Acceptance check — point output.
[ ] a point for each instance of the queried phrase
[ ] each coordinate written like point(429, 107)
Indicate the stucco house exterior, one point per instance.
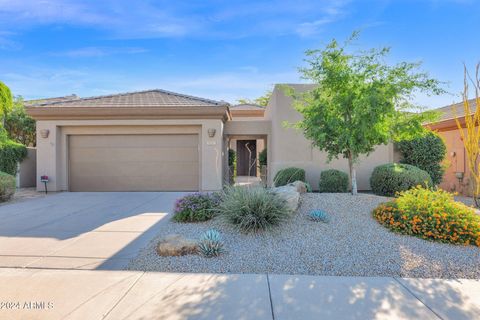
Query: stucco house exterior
point(158, 140)
point(457, 173)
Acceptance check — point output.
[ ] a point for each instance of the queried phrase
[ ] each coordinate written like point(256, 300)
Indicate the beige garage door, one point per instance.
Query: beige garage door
point(133, 162)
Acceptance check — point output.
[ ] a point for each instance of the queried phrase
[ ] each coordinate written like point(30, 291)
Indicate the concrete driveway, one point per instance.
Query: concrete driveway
point(81, 230)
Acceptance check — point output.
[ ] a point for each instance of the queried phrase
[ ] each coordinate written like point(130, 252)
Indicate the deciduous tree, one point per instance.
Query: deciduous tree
point(359, 101)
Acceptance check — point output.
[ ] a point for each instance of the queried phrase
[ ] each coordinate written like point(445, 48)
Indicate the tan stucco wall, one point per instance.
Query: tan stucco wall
point(26, 176)
point(288, 147)
point(52, 152)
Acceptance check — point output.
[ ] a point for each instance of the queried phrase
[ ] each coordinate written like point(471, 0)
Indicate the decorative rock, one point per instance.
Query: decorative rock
point(300, 186)
point(176, 245)
point(290, 194)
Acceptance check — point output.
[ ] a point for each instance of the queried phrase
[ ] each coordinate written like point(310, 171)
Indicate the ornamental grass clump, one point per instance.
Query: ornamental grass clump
point(432, 215)
point(196, 207)
point(252, 209)
point(210, 244)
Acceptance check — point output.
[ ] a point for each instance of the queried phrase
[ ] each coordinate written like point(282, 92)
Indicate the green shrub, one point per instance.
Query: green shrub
point(10, 154)
point(195, 207)
point(252, 209)
point(426, 153)
point(430, 214)
point(333, 181)
point(7, 186)
point(289, 175)
point(388, 179)
point(262, 157)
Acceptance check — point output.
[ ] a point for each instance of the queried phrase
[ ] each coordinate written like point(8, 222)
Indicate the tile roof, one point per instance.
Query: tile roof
point(50, 100)
point(246, 106)
point(454, 110)
point(149, 98)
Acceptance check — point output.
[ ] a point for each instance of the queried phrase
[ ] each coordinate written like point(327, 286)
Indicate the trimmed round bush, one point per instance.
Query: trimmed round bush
point(289, 175)
point(426, 153)
point(195, 207)
point(333, 181)
point(432, 215)
point(7, 186)
point(388, 179)
point(253, 209)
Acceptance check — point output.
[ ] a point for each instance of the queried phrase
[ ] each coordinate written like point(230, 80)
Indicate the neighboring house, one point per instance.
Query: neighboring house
point(163, 141)
point(457, 174)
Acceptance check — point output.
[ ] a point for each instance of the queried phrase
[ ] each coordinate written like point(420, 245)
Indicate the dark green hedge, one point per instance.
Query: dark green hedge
point(7, 186)
point(10, 154)
point(289, 175)
point(426, 153)
point(333, 181)
point(388, 179)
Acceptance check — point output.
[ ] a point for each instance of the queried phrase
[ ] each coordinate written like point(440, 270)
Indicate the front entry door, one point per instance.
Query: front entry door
point(247, 158)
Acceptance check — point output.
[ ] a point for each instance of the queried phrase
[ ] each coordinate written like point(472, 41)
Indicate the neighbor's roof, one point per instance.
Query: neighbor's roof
point(454, 110)
point(246, 106)
point(149, 98)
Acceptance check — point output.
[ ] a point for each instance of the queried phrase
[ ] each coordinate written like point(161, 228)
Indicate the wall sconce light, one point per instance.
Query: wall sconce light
point(44, 133)
point(459, 176)
point(453, 154)
point(211, 132)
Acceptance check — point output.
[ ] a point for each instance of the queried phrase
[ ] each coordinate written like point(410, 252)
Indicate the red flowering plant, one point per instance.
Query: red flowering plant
point(432, 215)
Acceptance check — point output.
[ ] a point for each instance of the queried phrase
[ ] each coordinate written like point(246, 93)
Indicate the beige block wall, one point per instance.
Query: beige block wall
point(290, 148)
point(52, 152)
point(27, 173)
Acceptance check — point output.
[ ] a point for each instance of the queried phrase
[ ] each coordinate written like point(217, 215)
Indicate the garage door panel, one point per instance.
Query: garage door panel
point(134, 141)
point(134, 162)
point(139, 183)
point(134, 154)
point(130, 169)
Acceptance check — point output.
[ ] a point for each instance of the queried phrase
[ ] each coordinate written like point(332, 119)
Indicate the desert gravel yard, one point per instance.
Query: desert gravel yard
point(352, 243)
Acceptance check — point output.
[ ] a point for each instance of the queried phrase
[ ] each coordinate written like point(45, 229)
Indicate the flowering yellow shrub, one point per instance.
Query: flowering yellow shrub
point(431, 215)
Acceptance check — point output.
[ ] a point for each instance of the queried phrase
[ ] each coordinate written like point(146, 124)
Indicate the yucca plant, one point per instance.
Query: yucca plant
point(210, 244)
point(252, 209)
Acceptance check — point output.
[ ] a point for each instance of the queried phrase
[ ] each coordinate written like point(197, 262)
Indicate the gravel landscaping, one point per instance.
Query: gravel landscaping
point(352, 243)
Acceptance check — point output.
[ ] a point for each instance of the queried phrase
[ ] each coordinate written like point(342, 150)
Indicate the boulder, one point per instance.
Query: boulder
point(176, 245)
point(300, 186)
point(290, 194)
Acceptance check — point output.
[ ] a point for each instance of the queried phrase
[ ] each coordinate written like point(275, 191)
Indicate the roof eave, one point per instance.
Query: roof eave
point(121, 113)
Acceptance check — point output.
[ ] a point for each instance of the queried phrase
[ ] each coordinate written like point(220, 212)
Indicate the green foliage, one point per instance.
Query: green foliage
point(432, 215)
point(252, 209)
point(7, 186)
point(333, 181)
point(288, 175)
point(388, 179)
point(195, 207)
point(10, 153)
point(262, 157)
point(19, 125)
point(5, 100)
point(210, 244)
point(427, 153)
point(232, 164)
point(261, 101)
point(359, 101)
point(318, 216)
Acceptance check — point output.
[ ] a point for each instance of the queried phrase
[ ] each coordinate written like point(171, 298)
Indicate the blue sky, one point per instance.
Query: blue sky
point(216, 49)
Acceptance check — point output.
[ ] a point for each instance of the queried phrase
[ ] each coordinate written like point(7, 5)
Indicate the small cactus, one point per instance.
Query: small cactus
point(318, 215)
point(210, 244)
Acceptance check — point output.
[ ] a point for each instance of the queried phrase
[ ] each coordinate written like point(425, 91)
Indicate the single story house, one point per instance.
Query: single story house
point(158, 140)
point(457, 173)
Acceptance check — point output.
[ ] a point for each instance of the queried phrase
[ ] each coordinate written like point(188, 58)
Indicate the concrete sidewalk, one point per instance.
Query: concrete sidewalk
point(86, 294)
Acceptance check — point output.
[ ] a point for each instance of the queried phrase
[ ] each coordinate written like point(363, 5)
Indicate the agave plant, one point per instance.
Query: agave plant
point(318, 215)
point(210, 244)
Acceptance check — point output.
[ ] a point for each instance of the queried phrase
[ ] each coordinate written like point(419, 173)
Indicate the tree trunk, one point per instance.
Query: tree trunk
point(353, 175)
